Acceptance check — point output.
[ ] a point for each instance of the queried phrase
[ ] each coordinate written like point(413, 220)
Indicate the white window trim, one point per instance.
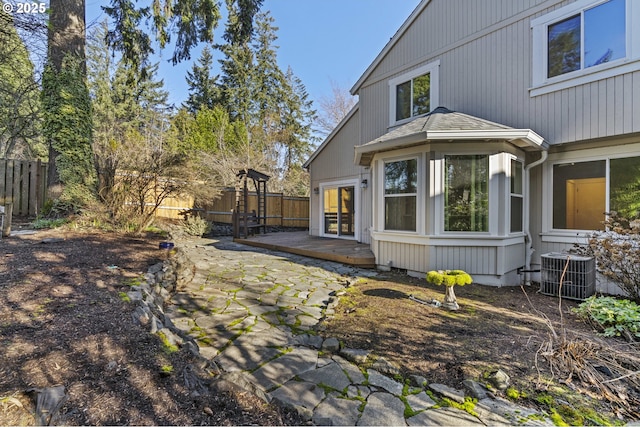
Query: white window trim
point(631, 62)
point(492, 186)
point(511, 194)
point(379, 218)
point(433, 68)
point(336, 184)
point(555, 235)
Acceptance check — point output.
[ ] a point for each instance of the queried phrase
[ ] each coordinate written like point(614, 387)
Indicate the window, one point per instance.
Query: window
point(516, 196)
point(579, 195)
point(624, 187)
point(585, 41)
point(466, 193)
point(414, 94)
point(412, 97)
point(580, 192)
point(593, 37)
point(400, 193)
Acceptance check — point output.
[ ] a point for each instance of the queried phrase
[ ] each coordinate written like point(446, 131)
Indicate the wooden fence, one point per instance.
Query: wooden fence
point(23, 183)
point(285, 211)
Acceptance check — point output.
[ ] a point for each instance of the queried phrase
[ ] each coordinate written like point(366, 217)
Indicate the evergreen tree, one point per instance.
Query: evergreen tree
point(273, 105)
point(126, 115)
point(203, 89)
point(297, 116)
point(191, 21)
point(236, 68)
point(20, 120)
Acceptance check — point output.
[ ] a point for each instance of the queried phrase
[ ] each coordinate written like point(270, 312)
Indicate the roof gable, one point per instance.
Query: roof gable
point(397, 36)
point(331, 136)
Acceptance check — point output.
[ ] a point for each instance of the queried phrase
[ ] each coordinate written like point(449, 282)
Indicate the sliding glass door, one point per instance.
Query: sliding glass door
point(338, 211)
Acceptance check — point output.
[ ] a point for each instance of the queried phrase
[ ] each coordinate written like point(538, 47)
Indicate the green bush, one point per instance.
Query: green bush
point(196, 226)
point(614, 317)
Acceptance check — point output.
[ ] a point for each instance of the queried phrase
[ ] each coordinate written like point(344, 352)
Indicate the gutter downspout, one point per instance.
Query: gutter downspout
point(527, 204)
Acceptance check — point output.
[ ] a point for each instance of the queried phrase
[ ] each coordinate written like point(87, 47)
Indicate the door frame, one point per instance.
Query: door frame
point(356, 204)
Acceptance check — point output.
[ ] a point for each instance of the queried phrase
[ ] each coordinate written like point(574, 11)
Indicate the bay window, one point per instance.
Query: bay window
point(400, 194)
point(517, 198)
point(466, 193)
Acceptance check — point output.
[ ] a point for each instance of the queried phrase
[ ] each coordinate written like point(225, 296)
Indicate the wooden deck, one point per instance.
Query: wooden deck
point(301, 243)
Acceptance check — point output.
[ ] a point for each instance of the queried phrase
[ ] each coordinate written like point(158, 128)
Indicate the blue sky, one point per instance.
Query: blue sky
point(322, 40)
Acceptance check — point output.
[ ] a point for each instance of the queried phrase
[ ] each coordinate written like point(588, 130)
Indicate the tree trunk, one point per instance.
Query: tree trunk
point(66, 35)
point(66, 31)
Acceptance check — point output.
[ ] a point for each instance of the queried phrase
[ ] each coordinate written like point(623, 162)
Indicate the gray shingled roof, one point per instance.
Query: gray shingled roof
point(443, 123)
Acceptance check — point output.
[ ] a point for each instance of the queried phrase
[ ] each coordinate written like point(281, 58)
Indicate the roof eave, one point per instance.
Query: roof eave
point(522, 138)
point(391, 144)
point(333, 133)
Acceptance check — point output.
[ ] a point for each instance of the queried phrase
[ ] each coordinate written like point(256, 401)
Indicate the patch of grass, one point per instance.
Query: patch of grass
point(124, 297)
point(134, 281)
point(468, 406)
point(515, 394)
point(557, 419)
point(44, 223)
point(166, 345)
point(156, 230)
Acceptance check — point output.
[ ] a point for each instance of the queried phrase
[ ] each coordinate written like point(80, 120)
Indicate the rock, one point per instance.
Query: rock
point(446, 391)
point(376, 379)
point(382, 409)
point(419, 381)
point(420, 401)
point(355, 355)
point(155, 268)
point(475, 389)
point(383, 365)
point(141, 316)
point(331, 345)
point(499, 379)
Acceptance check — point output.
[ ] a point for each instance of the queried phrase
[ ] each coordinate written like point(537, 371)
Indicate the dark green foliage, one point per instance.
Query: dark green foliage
point(20, 120)
point(67, 127)
point(612, 316)
point(191, 21)
point(203, 88)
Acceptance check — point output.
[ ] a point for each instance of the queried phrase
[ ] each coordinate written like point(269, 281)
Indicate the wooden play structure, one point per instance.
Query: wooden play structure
point(247, 219)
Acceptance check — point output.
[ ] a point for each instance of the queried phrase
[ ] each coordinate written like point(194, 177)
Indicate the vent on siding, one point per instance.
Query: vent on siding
point(579, 280)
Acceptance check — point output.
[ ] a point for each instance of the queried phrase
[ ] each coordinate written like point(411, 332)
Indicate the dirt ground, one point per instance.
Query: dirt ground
point(63, 322)
point(509, 328)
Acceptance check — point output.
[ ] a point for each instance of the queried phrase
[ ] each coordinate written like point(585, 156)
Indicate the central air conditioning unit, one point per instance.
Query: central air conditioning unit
point(579, 281)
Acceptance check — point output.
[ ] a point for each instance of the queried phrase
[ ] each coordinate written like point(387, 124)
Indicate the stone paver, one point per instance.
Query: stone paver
point(255, 313)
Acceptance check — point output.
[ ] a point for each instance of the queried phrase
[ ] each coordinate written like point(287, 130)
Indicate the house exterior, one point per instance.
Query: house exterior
point(486, 134)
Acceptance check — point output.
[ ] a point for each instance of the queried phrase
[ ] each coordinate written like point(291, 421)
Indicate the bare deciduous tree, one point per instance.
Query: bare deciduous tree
point(333, 108)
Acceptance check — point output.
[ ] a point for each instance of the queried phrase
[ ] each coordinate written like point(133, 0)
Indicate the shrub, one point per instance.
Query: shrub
point(614, 317)
point(617, 253)
point(196, 226)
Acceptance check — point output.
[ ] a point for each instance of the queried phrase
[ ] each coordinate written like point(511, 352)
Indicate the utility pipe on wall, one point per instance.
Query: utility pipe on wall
point(527, 205)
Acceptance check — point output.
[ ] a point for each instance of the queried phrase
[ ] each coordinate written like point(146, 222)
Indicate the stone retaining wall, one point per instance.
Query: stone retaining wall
point(160, 282)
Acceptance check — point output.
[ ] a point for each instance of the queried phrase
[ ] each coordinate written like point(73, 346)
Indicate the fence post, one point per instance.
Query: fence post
point(8, 213)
